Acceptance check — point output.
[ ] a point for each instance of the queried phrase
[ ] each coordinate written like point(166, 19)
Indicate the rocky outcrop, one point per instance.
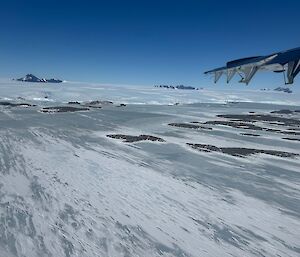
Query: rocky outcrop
point(54, 109)
point(132, 139)
point(187, 125)
point(240, 151)
point(9, 104)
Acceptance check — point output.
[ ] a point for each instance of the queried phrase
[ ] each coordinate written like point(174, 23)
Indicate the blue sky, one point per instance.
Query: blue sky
point(142, 42)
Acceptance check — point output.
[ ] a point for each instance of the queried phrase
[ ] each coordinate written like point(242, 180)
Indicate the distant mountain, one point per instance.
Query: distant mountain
point(283, 89)
point(32, 78)
point(177, 87)
point(54, 80)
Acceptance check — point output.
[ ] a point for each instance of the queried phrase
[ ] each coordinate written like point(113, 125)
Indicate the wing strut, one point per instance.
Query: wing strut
point(297, 69)
point(230, 74)
point(292, 71)
point(218, 75)
point(249, 73)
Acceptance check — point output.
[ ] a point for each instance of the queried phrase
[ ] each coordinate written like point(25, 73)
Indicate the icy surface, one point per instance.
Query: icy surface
point(139, 94)
point(66, 189)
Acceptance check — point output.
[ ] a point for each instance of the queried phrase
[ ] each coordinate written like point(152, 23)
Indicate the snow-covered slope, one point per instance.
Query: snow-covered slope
point(66, 189)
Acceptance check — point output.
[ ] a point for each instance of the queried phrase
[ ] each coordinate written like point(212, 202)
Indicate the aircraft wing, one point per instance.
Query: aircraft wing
point(246, 68)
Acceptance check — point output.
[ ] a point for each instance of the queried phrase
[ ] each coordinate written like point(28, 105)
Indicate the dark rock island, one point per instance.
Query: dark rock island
point(32, 78)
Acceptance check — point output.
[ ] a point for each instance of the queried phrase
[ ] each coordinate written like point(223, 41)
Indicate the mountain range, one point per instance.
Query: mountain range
point(32, 78)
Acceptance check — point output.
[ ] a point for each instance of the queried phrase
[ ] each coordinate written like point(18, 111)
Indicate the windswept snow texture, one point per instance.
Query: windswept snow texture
point(66, 189)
